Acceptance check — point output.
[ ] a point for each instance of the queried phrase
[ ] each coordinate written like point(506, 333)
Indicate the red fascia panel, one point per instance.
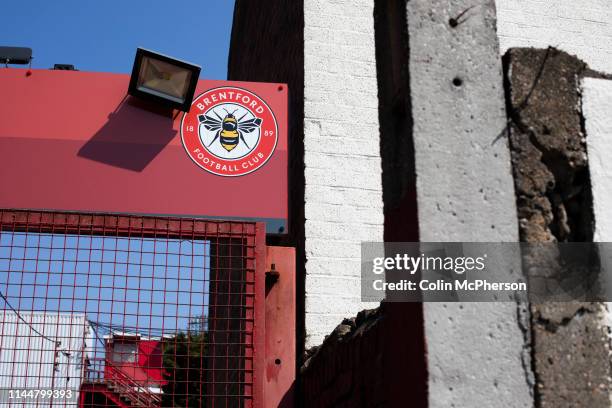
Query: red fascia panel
point(74, 141)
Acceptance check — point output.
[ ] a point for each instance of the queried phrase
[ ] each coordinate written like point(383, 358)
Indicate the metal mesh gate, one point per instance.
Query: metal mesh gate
point(127, 311)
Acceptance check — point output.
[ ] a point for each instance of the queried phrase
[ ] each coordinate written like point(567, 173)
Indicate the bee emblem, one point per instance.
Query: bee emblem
point(229, 129)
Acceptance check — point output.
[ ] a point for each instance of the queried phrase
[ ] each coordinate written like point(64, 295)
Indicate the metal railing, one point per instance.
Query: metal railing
point(103, 371)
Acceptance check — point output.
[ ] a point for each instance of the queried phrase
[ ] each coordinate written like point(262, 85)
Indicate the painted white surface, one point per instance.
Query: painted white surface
point(343, 191)
point(597, 111)
point(582, 28)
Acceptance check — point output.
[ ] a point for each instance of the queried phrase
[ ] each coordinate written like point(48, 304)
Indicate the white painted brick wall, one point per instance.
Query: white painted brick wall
point(582, 28)
point(597, 111)
point(343, 191)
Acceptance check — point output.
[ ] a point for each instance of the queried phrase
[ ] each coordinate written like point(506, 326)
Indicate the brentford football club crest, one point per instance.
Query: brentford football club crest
point(229, 131)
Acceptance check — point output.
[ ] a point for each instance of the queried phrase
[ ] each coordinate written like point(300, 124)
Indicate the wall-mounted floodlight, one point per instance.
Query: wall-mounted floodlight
point(163, 80)
point(15, 55)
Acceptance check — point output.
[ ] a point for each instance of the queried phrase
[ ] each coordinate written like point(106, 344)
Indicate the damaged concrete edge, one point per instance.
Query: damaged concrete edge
point(554, 203)
point(523, 317)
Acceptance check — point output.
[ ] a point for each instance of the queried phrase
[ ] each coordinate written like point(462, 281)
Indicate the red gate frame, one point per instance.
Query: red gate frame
point(169, 227)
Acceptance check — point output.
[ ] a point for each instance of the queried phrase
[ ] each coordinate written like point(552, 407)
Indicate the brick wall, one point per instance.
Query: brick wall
point(580, 28)
point(324, 49)
point(342, 168)
point(257, 54)
point(367, 361)
point(596, 106)
point(347, 371)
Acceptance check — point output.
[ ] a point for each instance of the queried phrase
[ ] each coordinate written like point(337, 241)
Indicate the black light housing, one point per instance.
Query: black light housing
point(163, 80)
point(15, 55)
point(64, 67)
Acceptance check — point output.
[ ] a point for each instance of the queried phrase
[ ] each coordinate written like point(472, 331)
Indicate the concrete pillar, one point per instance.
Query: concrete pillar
point(343, 192)
point(478, 353)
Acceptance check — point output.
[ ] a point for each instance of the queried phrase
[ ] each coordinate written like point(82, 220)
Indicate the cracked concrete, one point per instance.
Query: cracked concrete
point(571, 349)
point(569, 340)
point(548, 145)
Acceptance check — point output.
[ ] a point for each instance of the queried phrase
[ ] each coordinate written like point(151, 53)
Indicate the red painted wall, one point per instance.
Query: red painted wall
point(147, 370)
point(150, 356)
point(73, 141)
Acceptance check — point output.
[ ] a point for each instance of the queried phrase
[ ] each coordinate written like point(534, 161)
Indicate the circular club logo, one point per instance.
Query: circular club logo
point(229, 131)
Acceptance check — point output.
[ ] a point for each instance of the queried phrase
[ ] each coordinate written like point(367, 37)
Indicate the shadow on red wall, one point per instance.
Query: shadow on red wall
point(135, 133)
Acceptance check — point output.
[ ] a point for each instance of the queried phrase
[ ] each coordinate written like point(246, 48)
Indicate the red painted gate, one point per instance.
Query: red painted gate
point(131, 311)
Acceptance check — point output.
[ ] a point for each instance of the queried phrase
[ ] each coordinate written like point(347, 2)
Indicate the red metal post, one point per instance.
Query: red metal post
point(280, 328)
point(259, 322)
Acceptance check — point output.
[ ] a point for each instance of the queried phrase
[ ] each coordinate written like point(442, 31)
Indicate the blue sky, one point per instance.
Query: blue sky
point(103, 35)
point(135, 284)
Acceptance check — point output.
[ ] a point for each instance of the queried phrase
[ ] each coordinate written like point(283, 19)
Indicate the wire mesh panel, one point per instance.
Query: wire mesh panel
point(126, 311)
